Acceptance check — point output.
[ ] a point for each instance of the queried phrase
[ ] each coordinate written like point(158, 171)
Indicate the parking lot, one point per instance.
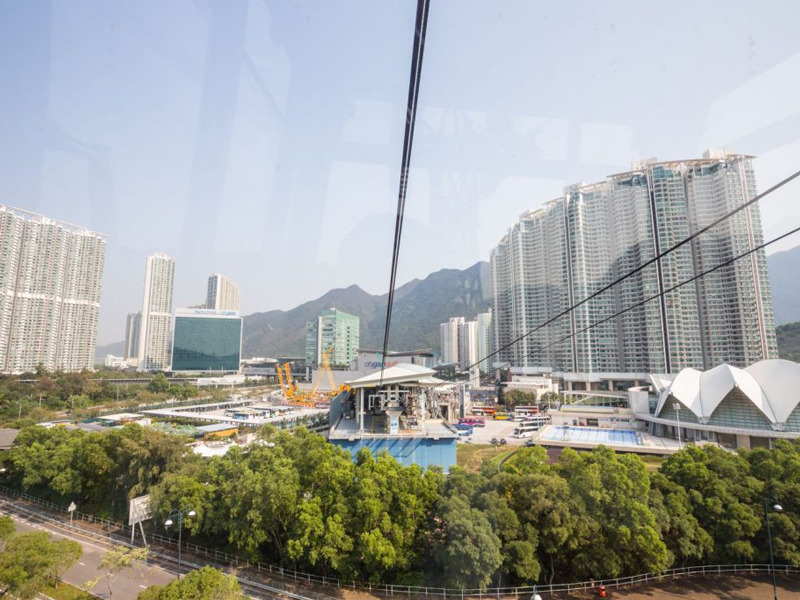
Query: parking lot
point(495, 429)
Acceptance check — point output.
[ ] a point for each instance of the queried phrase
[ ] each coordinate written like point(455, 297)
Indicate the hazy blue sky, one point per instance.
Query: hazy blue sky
point(262, 139)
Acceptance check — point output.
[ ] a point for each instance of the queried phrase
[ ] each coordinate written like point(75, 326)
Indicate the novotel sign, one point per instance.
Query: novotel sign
point(205, 312)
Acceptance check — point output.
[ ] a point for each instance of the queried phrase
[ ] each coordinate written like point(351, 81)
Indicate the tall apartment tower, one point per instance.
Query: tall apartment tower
point(132, 325)
point(566, 253)
point(222, 294)
point(336, 331)
point(50, 281)
point(156, 318)
point(485, 347)
point(450, 335)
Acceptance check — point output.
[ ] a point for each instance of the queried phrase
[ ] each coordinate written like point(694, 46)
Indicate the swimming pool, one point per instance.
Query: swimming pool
point(592, 435)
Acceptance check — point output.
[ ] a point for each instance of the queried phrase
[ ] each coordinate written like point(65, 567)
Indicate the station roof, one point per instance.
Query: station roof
point(216, 427)
point(404, 373)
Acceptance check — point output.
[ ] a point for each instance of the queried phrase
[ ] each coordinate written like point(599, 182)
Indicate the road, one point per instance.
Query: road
point(129, 582)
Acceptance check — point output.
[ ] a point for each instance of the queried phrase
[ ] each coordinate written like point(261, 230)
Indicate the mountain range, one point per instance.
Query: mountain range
point(421, 305)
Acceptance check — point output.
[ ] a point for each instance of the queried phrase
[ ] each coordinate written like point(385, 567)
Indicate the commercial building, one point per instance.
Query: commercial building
point(567, 252)
point(132, 325)
point(50, 281)
point(156, 317)
point(206, 340)
point(400, 411)
point(334, 331)
point(734, 407)
point(222, 294)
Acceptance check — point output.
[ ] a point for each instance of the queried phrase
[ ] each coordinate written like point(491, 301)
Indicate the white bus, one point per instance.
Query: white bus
point(530, 426)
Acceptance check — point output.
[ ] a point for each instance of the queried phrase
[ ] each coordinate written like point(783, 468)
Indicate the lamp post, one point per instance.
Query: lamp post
point(677, 408)
point(180, 515)
point(777, 508)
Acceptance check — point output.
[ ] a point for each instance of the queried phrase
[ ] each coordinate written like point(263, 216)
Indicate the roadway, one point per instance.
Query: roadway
point(125, 587)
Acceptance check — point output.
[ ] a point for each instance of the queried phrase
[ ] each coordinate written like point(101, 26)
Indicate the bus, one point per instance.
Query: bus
point(473, 421)
point(529, 427)
point(483, 410)
point(525, 411)
point(500, 416)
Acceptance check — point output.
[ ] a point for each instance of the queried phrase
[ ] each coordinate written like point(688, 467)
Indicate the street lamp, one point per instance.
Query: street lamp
point(777, 508)
point(180, 514)
point(677, 407)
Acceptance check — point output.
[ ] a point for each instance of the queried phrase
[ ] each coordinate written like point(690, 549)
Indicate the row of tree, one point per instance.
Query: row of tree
point(39, 396)
point(295, 500)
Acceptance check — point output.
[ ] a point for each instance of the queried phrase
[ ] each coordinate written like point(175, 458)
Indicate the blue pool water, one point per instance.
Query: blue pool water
point(591, 435)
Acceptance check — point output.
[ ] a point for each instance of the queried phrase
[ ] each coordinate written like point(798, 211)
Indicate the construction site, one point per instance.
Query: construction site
point(315, 395)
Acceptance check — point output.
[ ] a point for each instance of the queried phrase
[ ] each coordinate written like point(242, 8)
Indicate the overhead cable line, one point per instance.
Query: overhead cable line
point(411, 117)
point(641, 267)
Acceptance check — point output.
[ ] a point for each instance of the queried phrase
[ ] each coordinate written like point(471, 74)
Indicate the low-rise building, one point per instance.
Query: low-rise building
point(734, 407)
point(400, 411)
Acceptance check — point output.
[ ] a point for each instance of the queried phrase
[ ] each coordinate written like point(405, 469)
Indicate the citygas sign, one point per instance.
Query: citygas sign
point(376, 364)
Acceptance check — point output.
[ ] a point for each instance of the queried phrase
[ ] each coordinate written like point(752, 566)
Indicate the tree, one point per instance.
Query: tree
point(466, 550)
point(201, 584)
point(158, 384)
point(32, 561)
point(115, 560)
point(7, 527)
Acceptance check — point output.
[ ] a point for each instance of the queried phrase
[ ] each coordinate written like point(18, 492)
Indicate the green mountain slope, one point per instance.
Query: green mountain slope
point(419, 308)
point(784, 279)
point(789, 341)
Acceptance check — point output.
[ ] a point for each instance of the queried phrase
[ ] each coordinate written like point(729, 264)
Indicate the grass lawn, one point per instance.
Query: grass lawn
point(65, 591)
point(652, 462)
point(472, 456)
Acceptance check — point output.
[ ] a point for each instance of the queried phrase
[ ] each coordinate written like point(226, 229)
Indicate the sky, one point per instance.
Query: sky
point(262, 139)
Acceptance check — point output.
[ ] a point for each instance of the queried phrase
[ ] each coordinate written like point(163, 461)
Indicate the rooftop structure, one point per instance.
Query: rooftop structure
point(400, 410)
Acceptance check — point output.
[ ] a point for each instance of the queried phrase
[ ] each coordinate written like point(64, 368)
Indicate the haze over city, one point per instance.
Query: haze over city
point(262, 140)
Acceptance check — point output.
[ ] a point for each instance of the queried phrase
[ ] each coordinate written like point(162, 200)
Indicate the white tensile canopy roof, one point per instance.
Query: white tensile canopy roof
point(773, 386)
point(405, 373)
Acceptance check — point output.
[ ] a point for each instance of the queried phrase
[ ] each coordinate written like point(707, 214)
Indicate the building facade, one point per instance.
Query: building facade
point(206, 340)
point(222, 294)
point(50, 282)
point(334, 331)
point(485, 345)
point(156, 317)
point(132, 325)
point(568, 252)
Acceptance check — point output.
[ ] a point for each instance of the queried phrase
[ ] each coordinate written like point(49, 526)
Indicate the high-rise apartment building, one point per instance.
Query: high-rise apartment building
point(156, 319)
point(50, 281)
point(132, 325)
point(333, 330)
point(575, 246)
point(461, 341)
point(485, 347)
point(450, 334)
point(222, 294)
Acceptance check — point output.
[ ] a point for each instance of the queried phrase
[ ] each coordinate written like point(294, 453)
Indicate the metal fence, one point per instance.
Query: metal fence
point(115, 531)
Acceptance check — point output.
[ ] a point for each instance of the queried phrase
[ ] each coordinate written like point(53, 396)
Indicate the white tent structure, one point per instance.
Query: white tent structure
point(772, 386)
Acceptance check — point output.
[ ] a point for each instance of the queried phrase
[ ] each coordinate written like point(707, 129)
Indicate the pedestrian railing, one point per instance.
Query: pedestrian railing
point(115, 531)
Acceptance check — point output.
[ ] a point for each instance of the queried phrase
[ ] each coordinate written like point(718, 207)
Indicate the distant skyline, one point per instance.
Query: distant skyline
point(262, 139)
